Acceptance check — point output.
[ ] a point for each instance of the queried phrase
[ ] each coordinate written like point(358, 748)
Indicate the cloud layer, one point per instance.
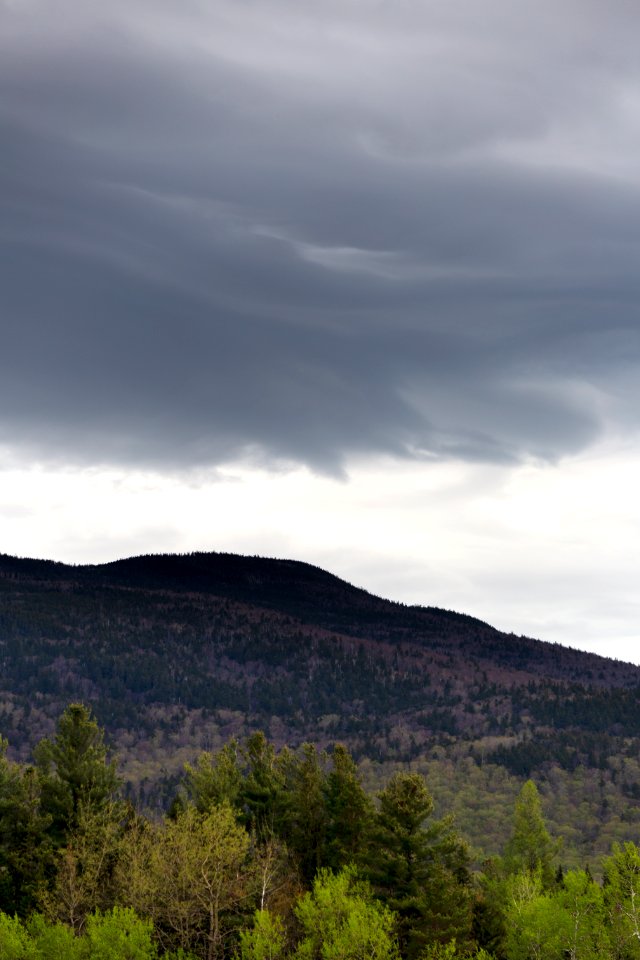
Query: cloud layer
point(311, 231)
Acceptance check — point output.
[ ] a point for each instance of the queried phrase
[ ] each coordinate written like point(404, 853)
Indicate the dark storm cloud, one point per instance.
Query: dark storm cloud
point(312, 230)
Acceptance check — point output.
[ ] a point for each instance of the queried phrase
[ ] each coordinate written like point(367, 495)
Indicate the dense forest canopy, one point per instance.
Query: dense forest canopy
point(305, 772)
point(281, 854)
point(179, 654)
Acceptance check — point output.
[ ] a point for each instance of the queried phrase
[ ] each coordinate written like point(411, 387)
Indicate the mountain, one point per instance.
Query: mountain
point(178, 653)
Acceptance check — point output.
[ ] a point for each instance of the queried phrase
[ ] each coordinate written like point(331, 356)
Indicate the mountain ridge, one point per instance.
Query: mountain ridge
point(267, 582)
point(180, 653)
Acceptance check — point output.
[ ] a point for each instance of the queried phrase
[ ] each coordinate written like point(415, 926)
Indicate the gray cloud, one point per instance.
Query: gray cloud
point(308, 231)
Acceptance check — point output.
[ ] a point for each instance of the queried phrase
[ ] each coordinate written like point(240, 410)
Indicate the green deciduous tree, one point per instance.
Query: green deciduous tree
point(15, 942)
point(265, 940)
point(568, 922)
point(85, 868)
point(536, 927)
point(587, 933)
point(54, 941)
point(340, 920)
point(622, 899)
point(192, 876)
point(120, 934)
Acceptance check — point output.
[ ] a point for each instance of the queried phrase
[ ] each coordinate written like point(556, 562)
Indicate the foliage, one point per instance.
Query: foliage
point(120, 935)
point(185, 653)
point(74, 771)
point(421, 870)
point(25, 850)
point(340, 920)
point(530, 846)
point(84, 878)
point(265, 940)
point(622, 898)
point(192, 876)
point(294, 834)
point(214, 780)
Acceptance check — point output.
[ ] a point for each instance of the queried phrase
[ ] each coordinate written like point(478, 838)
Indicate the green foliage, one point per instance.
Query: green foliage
point(340, 920)
point(116, 935)
point(74, 771)
point(349, 811)
point(310, 801)
point(120, 934)
point(262, 794)
point(265, 940)
point(15, 942)
point(84, 878)
point(192, 876)
point(182, 652)
point(54, 941)
point(305, 828)
point(622, 898)
point(569, 921)
point(582, 900)
point(25, 850)
point(420, 870)
point(450, 951)
point(536, 928)
point(530, 846)
point(214, 779)
point(195, 879)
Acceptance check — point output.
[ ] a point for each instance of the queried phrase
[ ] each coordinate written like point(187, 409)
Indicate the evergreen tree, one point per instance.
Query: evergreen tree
point(530, 846)
point(26, 854)
point(74, 771)
point(262, 797)
point(305, 827)
point(489, 920)
point(349, 811)
point(420, 870)
point(214, 779)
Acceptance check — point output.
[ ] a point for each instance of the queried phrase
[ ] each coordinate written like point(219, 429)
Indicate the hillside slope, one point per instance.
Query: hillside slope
point(177, 653)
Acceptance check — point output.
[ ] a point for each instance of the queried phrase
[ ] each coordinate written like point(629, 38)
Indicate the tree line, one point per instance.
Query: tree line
point(269, 854)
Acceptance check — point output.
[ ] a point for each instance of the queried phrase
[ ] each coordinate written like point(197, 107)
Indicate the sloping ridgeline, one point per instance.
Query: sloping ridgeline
point(178, 653)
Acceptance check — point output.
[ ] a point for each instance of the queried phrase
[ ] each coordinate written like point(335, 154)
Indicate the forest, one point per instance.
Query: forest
point(269, 853)
point(183, 653)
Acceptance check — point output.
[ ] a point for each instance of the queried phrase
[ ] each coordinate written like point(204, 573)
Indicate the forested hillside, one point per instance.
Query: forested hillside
point(281, 854)
point(181, 653)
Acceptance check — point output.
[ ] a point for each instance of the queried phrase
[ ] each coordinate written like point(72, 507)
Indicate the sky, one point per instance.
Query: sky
point(352, 282)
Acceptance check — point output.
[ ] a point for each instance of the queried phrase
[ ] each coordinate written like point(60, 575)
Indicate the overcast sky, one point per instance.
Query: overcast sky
point(352, 281)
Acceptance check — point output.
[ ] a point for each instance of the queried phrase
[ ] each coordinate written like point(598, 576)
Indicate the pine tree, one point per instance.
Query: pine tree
point(74, 771)
point(214, 779)
point(420, 870)
point(349, 811)
point(305, 830)
point(530, 846)
point(262, 793)
point(26, 853)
